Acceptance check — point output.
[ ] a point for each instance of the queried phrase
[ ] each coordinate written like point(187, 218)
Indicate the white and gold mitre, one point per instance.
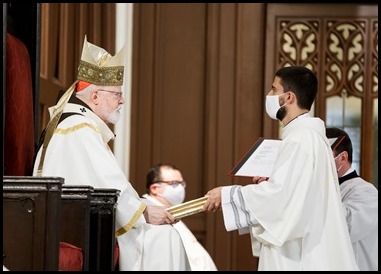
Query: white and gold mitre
point(98, 67)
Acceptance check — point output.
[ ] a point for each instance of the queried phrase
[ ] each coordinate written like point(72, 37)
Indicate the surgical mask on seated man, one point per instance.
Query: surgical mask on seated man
point(173, 193)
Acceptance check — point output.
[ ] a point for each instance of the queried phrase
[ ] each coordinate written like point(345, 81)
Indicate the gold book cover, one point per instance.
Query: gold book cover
point(187, 208)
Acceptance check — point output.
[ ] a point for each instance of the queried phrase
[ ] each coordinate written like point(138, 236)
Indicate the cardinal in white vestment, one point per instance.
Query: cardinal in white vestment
point(75, 147)
point(294, 217)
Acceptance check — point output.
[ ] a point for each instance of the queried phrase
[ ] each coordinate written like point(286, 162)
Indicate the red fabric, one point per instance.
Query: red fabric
point(19, 122)
point(116, 255)
point(71, 257)
point(81, 85)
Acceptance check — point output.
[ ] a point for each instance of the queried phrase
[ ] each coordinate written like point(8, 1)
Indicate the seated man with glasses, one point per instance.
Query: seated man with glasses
point(166, 187)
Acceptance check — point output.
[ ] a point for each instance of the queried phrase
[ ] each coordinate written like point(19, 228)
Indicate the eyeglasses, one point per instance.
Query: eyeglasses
point(118, 94)
point(173, 183)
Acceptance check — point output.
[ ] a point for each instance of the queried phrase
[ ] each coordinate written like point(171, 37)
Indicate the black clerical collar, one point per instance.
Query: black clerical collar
point(296, 117)
point(347, 177)
point(74, 100)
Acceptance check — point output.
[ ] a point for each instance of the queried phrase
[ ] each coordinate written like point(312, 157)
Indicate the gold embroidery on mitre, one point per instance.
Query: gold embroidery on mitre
point(106, 76)
point(99, 67)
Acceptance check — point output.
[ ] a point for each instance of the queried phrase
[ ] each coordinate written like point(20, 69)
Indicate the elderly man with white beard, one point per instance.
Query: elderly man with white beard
point(75, 147)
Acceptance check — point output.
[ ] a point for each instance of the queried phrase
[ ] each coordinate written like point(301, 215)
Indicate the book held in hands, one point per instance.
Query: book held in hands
point(260, 159)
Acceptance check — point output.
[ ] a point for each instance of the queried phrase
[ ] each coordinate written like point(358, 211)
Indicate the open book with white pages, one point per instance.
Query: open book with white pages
point(260, 159)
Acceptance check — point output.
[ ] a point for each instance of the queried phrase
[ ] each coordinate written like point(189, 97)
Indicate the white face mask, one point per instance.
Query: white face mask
point(173, 194)
point(338, 169)
point(272, 105)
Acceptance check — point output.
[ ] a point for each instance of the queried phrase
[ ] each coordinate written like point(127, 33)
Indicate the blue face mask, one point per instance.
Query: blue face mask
point(174, 194)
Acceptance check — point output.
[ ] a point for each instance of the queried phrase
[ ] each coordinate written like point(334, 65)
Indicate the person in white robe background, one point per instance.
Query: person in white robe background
point(294, 217)
point(75, 148)
point(166, 187)
point(360, 199)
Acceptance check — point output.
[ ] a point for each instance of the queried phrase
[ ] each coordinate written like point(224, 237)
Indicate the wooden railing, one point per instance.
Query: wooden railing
point(31, 222)
point(39, 213)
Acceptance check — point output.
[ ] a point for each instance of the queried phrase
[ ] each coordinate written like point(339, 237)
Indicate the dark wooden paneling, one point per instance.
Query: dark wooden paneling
point(178, 58)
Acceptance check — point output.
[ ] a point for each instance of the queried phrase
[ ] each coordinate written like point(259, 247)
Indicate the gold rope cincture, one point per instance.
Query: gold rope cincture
point(52, 125)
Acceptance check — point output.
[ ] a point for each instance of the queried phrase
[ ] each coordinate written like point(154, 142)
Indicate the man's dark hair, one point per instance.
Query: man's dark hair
point(300, 80)
point(344, 145)
point(154, 174)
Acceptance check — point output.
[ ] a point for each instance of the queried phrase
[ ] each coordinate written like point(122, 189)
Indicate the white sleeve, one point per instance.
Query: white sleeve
point(234, 209)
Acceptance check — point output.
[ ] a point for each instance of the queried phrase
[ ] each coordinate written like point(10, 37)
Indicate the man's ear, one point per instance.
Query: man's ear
point(153, 189)
point(345, 155)
point(94, 97)
point(291, 98)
